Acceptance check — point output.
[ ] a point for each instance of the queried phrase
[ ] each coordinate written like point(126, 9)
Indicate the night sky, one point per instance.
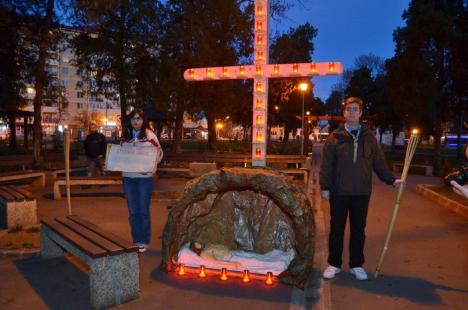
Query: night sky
point(346, 30)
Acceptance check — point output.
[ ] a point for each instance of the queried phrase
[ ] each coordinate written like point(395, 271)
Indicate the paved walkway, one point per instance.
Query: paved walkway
point(31, 283)
point(426, 265)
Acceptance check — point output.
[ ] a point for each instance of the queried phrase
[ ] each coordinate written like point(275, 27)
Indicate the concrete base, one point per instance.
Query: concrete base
point(19, 213)
point(199, 169)
point(112, 279)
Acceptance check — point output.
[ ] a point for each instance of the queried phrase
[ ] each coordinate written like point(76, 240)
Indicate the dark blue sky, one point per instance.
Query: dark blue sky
point(346, 30)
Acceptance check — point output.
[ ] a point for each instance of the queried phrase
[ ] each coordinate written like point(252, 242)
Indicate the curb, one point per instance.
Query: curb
point(452, 206)
point(20, 253)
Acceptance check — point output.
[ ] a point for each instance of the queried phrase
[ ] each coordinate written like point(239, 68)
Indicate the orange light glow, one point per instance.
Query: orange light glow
point(259, 87)
point(246, 277)
point(259, 120)
point(225, 71)
point(258, 152)
point(276, 69)
point(260, 55)
point(181, 271)
point(331, 67)
point(259, 136)
point(209, 73)
point(295, 68)
point(259, 25)
point(241, 70)
point(259, 10)
point(258, 70)
point(269, 279)
point(313, 68)
point(223, 276)
point(260, 40)
point(191, 73)
point(202, 273)
point(259, 103)
point(415, 131)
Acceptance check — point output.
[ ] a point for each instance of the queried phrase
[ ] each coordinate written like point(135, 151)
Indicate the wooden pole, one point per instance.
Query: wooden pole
point(410, 150)
point(67, 168)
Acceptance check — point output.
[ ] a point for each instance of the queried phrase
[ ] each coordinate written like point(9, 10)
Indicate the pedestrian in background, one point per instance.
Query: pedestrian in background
point(95, 150)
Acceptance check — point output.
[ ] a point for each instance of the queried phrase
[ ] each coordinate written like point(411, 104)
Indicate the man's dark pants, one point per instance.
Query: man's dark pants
point(340, 206)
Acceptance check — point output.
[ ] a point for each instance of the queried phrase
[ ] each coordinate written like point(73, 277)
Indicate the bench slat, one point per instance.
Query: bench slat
point(128, 246)
point(104, 243)
point(6, 195)
point(81, 243)
point(22, 192)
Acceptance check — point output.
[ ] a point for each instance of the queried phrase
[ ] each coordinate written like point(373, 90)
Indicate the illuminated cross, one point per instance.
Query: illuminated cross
point(260, 72)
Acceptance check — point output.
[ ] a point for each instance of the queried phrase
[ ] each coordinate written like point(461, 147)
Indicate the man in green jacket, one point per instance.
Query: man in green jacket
point(349, 156)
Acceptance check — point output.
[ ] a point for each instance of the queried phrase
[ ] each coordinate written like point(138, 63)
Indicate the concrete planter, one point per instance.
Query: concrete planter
point(453, 206)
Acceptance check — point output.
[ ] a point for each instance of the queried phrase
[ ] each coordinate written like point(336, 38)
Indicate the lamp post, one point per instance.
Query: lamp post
point(303, 88)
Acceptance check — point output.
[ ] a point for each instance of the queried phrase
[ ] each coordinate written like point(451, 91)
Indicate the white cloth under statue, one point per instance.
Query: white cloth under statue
point(275, 261)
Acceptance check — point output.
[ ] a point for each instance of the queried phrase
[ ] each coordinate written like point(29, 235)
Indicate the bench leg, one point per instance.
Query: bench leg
point(57, 194)
point(114, 280)
point(49, 249)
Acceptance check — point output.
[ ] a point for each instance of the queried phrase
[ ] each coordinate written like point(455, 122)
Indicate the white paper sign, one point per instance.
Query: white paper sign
point(130, 158)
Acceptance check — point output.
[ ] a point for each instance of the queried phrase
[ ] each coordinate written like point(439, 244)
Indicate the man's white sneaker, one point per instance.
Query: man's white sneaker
point(330, 272)
point(359, 273)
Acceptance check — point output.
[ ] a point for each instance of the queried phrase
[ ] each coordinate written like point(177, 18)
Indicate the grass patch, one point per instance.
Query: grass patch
point(15, 229)
point(32, 230)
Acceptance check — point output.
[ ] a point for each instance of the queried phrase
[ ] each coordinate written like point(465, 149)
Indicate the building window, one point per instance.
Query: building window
point(79, 105)
point(79, 84)
point(65, 70)
point(64, 83)
point(79, 94)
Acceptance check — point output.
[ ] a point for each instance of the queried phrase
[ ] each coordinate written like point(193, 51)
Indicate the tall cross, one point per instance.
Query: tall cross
point(260, 72)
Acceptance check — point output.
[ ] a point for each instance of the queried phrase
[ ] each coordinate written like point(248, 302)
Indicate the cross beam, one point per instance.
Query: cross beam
point(260, 72)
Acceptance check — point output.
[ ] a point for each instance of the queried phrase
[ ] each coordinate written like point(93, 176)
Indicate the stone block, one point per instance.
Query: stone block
point(19, 213)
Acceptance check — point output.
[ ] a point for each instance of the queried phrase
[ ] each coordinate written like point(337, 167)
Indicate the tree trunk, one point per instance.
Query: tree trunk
point(176, 146)
point(12, 125)
point(284, 147)
point(40, 78)
point(26, 132)
point(211, 132)
point(437, 135)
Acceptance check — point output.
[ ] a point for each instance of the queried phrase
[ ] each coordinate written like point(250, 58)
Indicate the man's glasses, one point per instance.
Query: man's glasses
point(352, 109)
point(137, 118)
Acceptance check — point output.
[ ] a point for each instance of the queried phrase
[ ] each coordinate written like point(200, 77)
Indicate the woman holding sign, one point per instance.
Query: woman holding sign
point(139, 186)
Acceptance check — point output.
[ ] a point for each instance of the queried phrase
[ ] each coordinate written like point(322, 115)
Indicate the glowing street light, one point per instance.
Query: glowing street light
point(303, 88)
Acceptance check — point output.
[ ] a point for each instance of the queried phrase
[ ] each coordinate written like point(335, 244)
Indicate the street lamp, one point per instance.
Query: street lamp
point(303, 88)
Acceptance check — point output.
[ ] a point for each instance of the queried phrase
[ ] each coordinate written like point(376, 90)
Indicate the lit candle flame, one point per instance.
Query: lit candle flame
point(276, 69)
point(181, 271)
point(246, 277)
point(415, 131)
point(202, 273)
point(223, 276)
point(269, 279)
point(258, 152)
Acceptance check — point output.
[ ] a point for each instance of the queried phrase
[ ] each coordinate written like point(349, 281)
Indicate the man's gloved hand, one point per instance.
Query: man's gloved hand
point(325, 194)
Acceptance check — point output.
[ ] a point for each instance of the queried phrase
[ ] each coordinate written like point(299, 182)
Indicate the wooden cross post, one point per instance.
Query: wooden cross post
point(260, 72)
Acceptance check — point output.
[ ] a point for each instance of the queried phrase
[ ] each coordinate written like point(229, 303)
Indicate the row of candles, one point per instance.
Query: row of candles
point(259, 70)
point(246, 276)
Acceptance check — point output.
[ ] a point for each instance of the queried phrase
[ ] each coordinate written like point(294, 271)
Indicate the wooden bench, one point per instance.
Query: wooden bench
point(17, 208)
point(39, 176)
point(84, 181)
point(111, 263)
point(301, 171)
point(398, 167)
